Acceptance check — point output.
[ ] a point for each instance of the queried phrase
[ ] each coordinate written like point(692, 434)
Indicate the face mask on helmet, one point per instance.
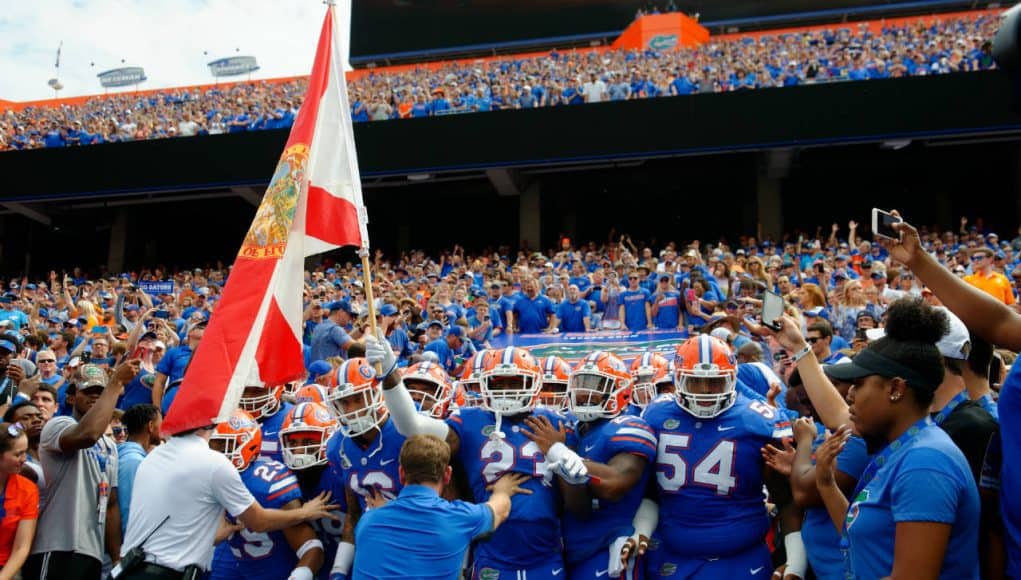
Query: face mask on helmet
point(430, 398)
point(471, 391)
point(706, 397)
point(261, 402)
point(643, 391)
point(241, 448)
point(509, 394)
point(358, 411)
point(593, 396)
point(304, 447)
point(553, 395)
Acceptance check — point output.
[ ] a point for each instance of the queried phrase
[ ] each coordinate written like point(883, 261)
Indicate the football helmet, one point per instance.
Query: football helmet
point(304, 433)
point(357, 400)
point(510, 382)
point(556, 373)
point(469, 389)
point(599, 388)
point(261, 401)
point(429, 386)
point(240, 438)
point(706, 376)
point(312, 394)
point(648, 372)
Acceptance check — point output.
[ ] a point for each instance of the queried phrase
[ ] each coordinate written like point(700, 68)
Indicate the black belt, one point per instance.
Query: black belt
point(150, 570)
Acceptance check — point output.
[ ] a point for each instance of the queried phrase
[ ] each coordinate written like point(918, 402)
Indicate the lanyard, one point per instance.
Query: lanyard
point(961, 397)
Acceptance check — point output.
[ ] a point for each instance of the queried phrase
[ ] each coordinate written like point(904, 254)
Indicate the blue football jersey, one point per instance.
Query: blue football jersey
point(327, 530)
point(709, 474)
point(583, 537)
point(531, 535)
point(271, 433)
point(250, 555)
point(374, 466)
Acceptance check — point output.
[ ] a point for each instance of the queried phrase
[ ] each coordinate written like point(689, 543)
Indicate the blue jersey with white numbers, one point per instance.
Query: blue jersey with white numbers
point(601, 442)
point(271, 433)
point(327, 530)
point(373, 466)
point(709, 474)
point(531, 535)
point(249, 555)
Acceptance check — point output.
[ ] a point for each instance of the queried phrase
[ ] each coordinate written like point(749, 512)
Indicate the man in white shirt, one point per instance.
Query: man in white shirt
point(181, 491)
point(594, 91)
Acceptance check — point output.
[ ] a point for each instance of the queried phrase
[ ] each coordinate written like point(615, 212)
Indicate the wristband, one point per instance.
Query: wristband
point(307, 546)
point(801, 354)
point(345, 557)
point(797, 558)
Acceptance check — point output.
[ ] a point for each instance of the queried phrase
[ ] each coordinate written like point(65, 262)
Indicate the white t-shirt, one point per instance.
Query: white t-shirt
point(187, 128)
point(193, 484)
point(594, 92)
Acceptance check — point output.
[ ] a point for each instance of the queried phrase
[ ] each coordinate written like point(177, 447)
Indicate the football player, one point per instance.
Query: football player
point(710, 471)
point(430, 388)
point(469, 392)
point(555, 375)
point(306, 429)
point(266, 406)
point(293, 553)
point(365, 452)
point(489, 441)
point(617, 450)
point(652, 375)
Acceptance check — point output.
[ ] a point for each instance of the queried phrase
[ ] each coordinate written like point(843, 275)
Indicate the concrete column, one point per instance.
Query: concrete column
point(118, 246)
point(774, 165)
point(529, 211)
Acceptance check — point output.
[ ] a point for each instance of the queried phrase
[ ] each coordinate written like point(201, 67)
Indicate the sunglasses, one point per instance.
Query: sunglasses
point(978, 258)
point(119, 431)
point(46, 360)
point(813, 339)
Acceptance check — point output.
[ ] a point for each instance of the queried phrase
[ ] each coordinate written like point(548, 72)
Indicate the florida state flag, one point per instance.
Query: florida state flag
point(313, 205)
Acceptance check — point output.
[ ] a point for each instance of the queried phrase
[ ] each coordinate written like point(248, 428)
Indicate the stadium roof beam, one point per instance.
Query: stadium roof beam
point(249, 194)
point(507, 182)
point(28, 212)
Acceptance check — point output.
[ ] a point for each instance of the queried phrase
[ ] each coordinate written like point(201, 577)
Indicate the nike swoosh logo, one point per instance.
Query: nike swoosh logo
point(722, 428)
point(601, 573)
point(589, 448)
point(557, 571)
point(755, 571)
point(387, 462)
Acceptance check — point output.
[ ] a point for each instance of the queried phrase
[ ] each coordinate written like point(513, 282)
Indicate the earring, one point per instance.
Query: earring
point(894, 397)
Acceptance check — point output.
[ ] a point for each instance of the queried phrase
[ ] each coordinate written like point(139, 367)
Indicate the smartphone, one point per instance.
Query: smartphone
point(162, 314)
point(859, 334)
point(772, 310)
point(882, 224)
point(689, 295)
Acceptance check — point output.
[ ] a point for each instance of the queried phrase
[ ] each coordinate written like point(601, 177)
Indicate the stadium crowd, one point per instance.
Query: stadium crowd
point(927, 46)
point(90, 364)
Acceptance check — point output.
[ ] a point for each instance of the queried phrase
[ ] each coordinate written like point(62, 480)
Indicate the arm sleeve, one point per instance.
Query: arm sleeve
point(407, 420)
point(926, 494)
point(229, 490)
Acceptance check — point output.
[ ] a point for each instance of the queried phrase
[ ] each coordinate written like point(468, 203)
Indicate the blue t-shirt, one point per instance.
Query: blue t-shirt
point(418, 531)
point(668, 315)
point(531, 535)
point(584, 537)
point(260, 555)
point(926, 480)
point(532, 314)
point(444, 355)
point(1010, 471)
point(822, 542)
point(634, 302)
point(129, 457)
point(139, 390)
point(329, 340)
point(572, 315)
point(709, 474)
point(174, 362)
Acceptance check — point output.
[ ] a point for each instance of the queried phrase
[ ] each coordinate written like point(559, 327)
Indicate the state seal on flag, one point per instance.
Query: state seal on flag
point(267, 237)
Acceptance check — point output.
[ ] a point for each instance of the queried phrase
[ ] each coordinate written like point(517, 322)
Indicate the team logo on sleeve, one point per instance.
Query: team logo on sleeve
point(852, 514)
point(345, 463)
point(671, 424)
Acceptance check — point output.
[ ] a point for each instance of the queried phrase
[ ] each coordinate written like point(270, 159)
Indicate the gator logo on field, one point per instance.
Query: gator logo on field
point(663, 41)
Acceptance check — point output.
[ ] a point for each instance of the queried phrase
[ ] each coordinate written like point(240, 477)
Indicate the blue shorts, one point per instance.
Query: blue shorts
point(552, 570)
point(752, 563)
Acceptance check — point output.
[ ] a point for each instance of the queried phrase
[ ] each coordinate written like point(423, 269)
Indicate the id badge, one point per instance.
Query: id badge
point(104, 498)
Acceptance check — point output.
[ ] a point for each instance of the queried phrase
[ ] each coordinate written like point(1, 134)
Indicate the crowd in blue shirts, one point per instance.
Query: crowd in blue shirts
point(928, 46)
